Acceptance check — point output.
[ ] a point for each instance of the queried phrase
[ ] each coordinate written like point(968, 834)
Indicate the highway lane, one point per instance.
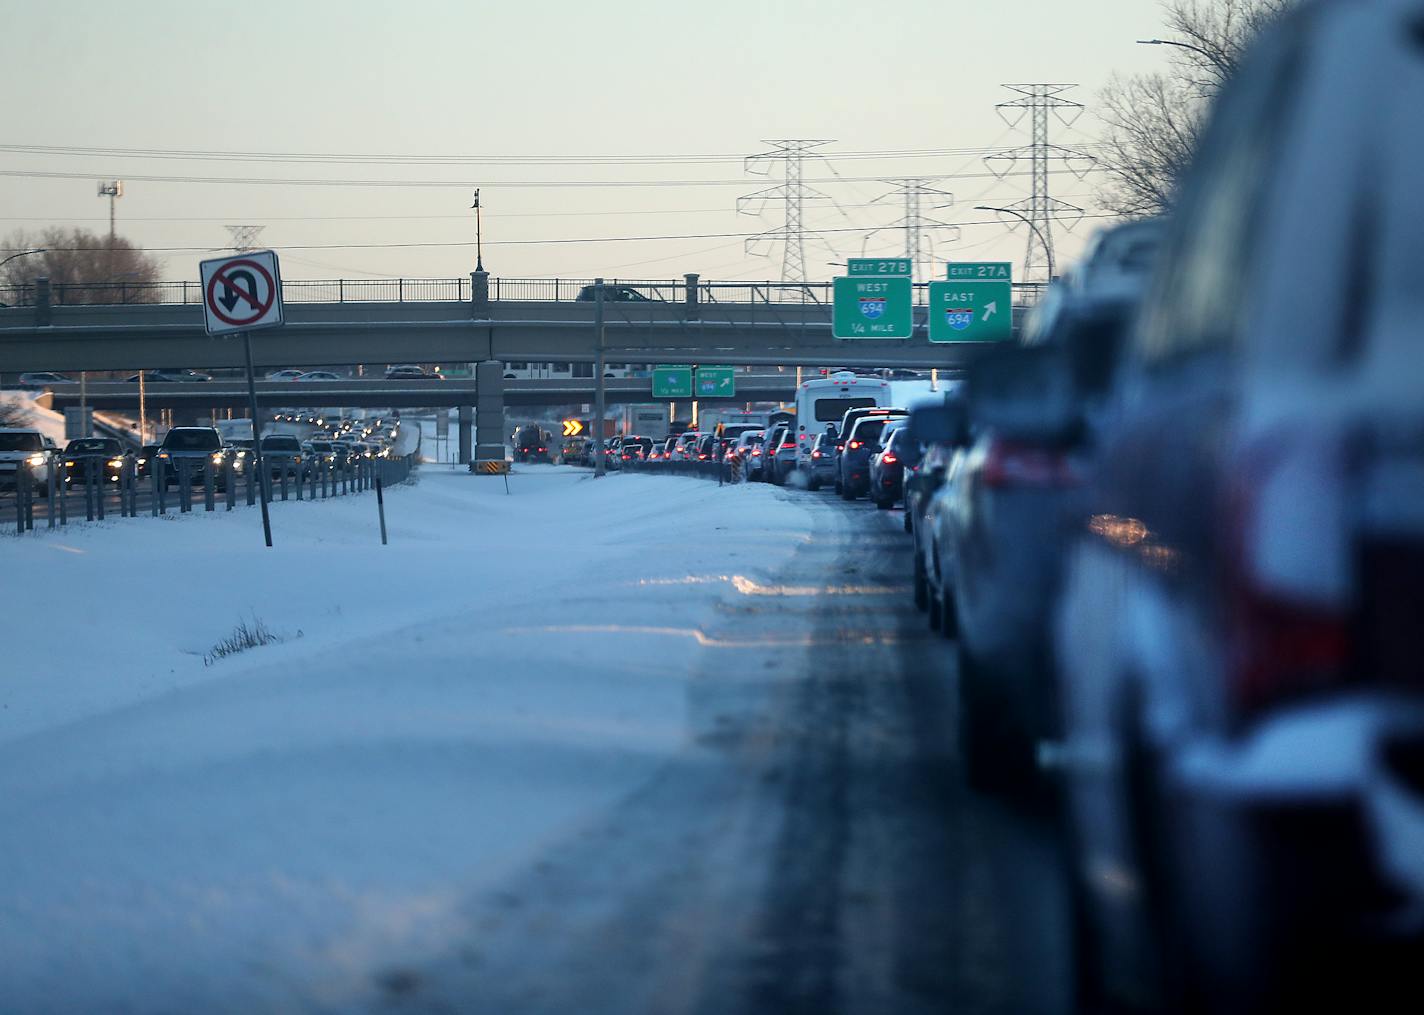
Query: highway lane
point(814, 850)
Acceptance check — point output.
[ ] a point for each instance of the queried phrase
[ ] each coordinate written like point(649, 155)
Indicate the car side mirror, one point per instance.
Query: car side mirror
point(1026, 393)
point(946, 423)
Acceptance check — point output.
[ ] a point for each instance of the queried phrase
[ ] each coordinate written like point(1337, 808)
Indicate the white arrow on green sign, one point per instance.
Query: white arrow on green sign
point(992, 271)
point(716, 382)
point(872, 307)
point(672, 382)
point(971, 312)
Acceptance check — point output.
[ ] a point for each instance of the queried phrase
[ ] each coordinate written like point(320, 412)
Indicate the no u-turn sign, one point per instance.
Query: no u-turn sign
point(242, 293)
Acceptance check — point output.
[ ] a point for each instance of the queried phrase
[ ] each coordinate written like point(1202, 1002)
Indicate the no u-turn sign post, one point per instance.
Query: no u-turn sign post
point(242, 292)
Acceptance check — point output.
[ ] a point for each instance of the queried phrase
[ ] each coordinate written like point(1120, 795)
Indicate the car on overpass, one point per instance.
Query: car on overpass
point(170, 376)
point(284, 375)
point(612, 294)
point(320, 375)
point(410, 372)
point(39, 380)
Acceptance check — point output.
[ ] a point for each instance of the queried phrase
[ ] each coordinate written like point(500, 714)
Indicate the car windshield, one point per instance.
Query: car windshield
point(280, 443)
point(195, 439)
point(93, 446)
point(20, 442)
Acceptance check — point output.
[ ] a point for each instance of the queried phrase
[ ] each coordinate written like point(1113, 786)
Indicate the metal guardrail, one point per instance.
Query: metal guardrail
point(426, 290)
point(208, 484)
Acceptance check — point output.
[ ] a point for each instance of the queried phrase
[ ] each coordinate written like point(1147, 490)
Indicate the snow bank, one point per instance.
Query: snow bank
point(270, 829)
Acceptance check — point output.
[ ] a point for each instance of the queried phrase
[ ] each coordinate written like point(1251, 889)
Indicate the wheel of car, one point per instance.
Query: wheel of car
point(838, 484)
point(998, 757)
point(884, 505)
point(909, 525)
point(922, 585)
point(813, 483)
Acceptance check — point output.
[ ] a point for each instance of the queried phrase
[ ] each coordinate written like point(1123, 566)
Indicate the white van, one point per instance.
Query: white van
point(826, 399)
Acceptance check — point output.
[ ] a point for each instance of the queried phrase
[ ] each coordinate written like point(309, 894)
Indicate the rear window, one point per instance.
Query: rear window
point(93, 446)
point(196, 439)
point(321, 445)
point(867, 430)
point(20, 442)
point(281, 443)
point(833, 410)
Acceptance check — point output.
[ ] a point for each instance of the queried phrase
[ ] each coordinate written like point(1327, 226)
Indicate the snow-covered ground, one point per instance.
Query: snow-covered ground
point(267, 831)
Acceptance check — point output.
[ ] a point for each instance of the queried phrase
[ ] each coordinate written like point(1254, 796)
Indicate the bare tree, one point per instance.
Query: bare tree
point(1153, 120)
point(82, 267)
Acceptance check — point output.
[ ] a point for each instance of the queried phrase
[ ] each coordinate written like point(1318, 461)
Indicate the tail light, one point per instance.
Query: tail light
point(1288, 574)
point(756, 453)
point(888, 458)
point(789, 444)
point(815, 454)
point(853, 445)
point(1013, 464)
point(702, 458)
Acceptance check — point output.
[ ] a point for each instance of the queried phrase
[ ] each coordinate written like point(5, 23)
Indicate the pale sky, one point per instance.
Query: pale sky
point(481, 84)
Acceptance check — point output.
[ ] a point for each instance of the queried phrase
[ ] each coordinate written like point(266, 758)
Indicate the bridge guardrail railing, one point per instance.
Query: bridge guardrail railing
point(427, 290)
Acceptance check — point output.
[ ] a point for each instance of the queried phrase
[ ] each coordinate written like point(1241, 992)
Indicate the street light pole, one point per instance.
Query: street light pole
point(1037, 232)
point(479, 247)
point(1214, 59)
point(23, 253)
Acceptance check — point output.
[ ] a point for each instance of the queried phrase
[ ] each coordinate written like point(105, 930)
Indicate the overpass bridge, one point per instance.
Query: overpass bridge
point(362, 394)
point(772, 324)
point(494, 321)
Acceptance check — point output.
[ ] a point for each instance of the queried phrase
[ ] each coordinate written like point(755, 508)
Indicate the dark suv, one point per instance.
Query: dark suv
point(1241, 632)
point(101, 457)
point(190, 450)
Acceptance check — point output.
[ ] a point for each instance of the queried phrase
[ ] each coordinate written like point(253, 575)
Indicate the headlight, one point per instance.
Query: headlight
point(161, 454)
point(116, 463)
point(217, 457)
point(35, 460)
point(143, 461)
point(68, 463)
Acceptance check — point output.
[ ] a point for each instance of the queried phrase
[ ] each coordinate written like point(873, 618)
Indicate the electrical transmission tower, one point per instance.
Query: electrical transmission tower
point(1040, 208)
point(915, 192)
point(793, 193)
point(244, 238)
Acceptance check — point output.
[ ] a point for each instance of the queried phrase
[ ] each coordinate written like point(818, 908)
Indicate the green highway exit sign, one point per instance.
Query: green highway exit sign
point(876, 306)
point(879, 266)
point(993, 271)
point(971, 312)
point(716, 382)
point(672, 382)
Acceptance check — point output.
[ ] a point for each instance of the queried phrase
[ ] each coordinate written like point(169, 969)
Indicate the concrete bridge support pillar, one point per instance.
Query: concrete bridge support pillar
point(466, 423)
point(489, 416)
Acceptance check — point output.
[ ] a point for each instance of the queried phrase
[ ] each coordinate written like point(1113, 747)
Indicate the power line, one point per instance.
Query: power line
point(539, 242)
point(39, 174)
point(323, 158)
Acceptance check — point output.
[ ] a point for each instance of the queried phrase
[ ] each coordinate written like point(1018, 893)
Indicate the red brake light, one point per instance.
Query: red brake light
point(889, 458)
point(1008, 463)
point(815, 454)
point(789, 444)
point(1287, 636)
point(854, 445)
point(756, 452)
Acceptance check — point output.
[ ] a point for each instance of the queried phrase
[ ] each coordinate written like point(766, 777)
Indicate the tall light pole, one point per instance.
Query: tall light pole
point(113, 190)
point(23, 253)
point(1223, 68)
point(1019, 215)
point(479, 250)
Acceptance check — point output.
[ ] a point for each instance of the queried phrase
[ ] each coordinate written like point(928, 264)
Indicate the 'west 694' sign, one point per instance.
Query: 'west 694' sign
point(872, 307)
